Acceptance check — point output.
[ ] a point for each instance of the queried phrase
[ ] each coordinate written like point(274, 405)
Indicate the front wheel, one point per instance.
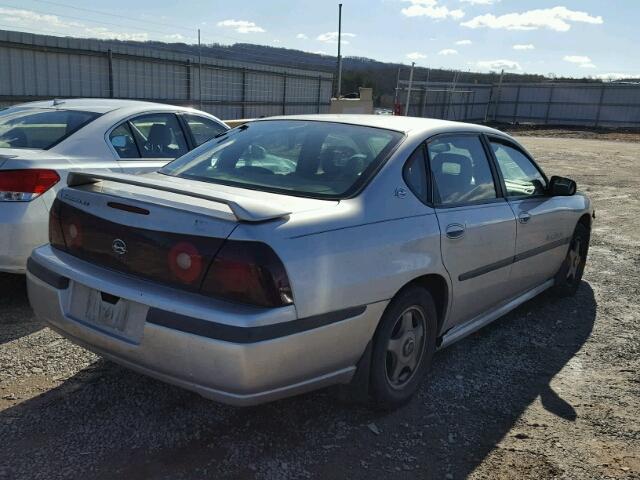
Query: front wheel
point(403, 347)
point(568, 278)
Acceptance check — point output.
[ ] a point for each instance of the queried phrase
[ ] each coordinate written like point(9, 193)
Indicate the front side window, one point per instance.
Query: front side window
point(39, 128)
point(317, 159)
point(159, 135)
point(202, 129)
point(460, 170)
point(521, 177)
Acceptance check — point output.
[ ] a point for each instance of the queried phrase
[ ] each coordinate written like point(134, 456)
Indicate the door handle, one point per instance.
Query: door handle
point(455, 230)
point(524, 217)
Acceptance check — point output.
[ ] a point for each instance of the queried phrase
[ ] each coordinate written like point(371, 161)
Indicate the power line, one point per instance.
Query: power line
point(77, 18)
point(109, 14)
point(129, 19)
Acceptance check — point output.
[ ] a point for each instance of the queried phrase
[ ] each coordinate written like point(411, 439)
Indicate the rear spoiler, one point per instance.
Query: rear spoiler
point(245, 209)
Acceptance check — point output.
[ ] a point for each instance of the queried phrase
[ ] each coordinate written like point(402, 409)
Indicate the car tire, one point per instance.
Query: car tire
point(569, 276)
point(403, 348)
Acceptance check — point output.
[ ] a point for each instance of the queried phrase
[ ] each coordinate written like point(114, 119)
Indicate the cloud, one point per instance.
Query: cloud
point(614, 76)
point(431, 9)
point(448, 51)
point(415, 56)
point(495, 65)
point(480, 2)
point(241, 26)
point(556, 18)
point(31, 20)
point(464, 42)
point(527, 46)
point(581, 60)
point(332, 37)
point(576, 59)
point(320, 52)
point(302, 36)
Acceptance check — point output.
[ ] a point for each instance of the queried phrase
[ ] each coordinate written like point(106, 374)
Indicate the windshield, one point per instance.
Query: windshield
point(39, 128)
point(308, 158)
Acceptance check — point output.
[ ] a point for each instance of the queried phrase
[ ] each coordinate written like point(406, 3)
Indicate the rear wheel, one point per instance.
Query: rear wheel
point(403, 347)
point(569, 276)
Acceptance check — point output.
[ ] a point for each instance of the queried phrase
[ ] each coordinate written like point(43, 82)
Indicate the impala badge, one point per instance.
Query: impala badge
point(119, 247)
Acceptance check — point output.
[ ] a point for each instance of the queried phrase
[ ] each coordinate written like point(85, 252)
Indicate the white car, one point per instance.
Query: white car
point(41, 141)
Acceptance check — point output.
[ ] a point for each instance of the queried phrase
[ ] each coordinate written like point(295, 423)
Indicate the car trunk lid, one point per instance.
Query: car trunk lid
point(157, 227)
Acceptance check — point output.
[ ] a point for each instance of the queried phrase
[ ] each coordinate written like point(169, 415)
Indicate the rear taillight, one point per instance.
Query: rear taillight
point(185, 262)
point(248, 272)
point(238, 271)
point(25, 185)
point(56, 236)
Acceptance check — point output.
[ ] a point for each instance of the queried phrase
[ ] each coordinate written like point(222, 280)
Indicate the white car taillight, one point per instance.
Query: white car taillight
point(25, 185)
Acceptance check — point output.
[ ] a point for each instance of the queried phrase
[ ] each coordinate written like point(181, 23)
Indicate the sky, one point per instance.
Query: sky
point(575, 38)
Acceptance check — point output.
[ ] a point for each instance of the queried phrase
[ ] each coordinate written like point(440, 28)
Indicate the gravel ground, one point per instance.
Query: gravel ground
point(550, 391)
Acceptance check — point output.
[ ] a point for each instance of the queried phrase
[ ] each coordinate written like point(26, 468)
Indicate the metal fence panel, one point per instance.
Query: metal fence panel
point(35, 67)
point(598, 104)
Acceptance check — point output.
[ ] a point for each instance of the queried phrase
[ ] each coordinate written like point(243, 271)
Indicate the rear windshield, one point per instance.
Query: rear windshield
point(39, 128)
point(307, 158)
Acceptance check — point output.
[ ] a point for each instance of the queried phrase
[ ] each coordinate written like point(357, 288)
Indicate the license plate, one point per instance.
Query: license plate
point(112, 315)
point(119, 317)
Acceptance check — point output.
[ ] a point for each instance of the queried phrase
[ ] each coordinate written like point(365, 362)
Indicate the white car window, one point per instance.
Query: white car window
point(159, 135)
point(202, 129)
point(38, 127)
point(122, 141)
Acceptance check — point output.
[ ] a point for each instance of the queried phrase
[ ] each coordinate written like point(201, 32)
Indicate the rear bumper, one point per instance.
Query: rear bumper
point(23, 227)
point(234, 354)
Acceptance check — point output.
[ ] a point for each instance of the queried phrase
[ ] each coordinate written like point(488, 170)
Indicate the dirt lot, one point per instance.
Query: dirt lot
point(550, 391)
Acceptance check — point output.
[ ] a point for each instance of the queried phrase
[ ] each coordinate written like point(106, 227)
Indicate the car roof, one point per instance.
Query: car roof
point(407, 125)
point(98, 105)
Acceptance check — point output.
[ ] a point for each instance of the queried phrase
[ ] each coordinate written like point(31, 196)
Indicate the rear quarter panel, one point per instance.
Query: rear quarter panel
point(362, 251)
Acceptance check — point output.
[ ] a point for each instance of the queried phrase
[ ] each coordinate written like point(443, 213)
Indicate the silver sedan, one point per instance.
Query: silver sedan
point(294, 253)
point(41, 141)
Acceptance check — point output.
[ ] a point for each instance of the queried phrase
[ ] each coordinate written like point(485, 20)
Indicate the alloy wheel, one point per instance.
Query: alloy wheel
point(405, 347)
point(574, 258)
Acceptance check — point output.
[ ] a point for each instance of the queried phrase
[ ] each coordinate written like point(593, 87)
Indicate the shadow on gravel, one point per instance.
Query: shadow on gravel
point(16, 317)
point(106, 422)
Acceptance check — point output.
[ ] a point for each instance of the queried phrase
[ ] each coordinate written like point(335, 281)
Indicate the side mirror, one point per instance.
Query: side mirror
point(119, 141)
point(562, 187)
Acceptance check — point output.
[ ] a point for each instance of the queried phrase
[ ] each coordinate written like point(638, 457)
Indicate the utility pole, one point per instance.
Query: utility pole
point(453, 89)
point(199, 70)
point(425, 92)
point(339, 88)
point(497, 102)
point(406, 107)
point(396, 110)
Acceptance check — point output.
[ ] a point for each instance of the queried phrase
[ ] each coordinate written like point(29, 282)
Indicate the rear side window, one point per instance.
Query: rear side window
point(121, 139)
point(202, 129)
point(461, 171)
point(415, 174)
point(521, 177)
point(39, 128)
point(159, 135)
